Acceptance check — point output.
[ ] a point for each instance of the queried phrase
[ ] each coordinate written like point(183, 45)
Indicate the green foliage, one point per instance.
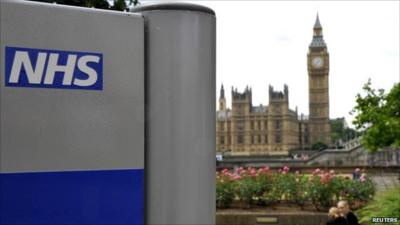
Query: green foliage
point(319, 145)
point(225, 190)
point(289, 186)
point(339, 132)
point(119, 5)
point(134, 2)
point(337, 129)
point(321, 194)
point(387, 204)
point(225, 194)
point(301, 194)
point(263, 184)
point(275, 192)
point(378, 116)
point(99, 4)
point(360, 191)
point(247, 189)
point(326, 189)
point(323, 189)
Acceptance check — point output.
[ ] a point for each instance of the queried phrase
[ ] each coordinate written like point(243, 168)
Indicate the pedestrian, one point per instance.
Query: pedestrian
point(349, 215)
point(335, 218)
point(356, 174)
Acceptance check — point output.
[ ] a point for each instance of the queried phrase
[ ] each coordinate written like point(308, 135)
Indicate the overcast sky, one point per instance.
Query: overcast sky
point(266, 42)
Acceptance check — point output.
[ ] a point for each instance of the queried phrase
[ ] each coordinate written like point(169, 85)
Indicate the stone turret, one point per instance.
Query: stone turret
point(222, 100)
point(279, 96)
point(241, 102)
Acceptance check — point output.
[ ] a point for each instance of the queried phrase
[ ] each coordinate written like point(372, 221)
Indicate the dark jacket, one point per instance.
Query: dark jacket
point(336, 221)
point(351, 218)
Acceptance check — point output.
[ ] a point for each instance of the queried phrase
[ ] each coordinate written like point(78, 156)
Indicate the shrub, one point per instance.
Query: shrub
point(319, 145)
point(247, 186)
point(275, 193)
point(288, 185)
point(358, 191)
point(225, 189)
point(322, 188)
point(264, 184)
point(301, 195)
point(362, 191)
point(340, 187)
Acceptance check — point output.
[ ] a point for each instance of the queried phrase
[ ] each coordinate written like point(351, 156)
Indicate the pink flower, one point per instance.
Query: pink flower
point(357, 170)
point(237, 177)
point(325, 177)
point(316, 171)
point(363, 177)
point(264, 170)
point(253, 174)
point(297, 172)
point(239, 170)
point(286, 168)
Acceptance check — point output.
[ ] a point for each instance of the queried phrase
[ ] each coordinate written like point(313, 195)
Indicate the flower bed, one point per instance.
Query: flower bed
point(261, 186)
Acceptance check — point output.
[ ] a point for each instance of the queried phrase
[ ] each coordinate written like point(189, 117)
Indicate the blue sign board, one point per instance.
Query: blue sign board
point(43, 68)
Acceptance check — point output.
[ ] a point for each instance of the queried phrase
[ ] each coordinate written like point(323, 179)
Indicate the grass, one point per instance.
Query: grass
point(386, 204)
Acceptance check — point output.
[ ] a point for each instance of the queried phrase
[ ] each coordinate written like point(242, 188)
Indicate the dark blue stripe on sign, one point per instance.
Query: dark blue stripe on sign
point(111, 197)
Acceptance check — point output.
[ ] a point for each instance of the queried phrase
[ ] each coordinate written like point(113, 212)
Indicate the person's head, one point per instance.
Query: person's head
point(343, 207)
point(334, 212)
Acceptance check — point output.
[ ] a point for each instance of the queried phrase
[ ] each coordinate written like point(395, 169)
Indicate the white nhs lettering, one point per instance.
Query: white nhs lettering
point(40, 74)
point(34, 75)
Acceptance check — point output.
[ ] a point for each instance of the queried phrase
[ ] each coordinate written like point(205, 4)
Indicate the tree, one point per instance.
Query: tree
point(378, 117)
point(337, 129)
point(119, 5)
point(134, 2)
point(319, 145)
point(340, 132)
point(99, 4)
point(102, 4)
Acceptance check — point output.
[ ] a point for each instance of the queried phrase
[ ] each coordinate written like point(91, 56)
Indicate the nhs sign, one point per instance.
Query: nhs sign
point(43, 68)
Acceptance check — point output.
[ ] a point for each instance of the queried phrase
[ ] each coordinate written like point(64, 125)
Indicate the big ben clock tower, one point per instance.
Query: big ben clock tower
point(318, 84)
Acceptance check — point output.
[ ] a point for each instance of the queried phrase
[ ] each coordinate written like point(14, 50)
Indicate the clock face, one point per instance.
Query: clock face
point(317, 62)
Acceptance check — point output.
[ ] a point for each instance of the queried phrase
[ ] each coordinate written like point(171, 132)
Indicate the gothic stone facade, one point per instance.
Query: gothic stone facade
point(275, 129)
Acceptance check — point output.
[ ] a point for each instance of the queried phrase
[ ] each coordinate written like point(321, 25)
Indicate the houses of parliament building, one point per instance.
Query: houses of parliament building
point(275, 129)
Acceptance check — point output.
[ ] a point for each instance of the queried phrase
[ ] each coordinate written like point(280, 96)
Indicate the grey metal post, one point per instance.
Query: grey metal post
point(180, 92)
